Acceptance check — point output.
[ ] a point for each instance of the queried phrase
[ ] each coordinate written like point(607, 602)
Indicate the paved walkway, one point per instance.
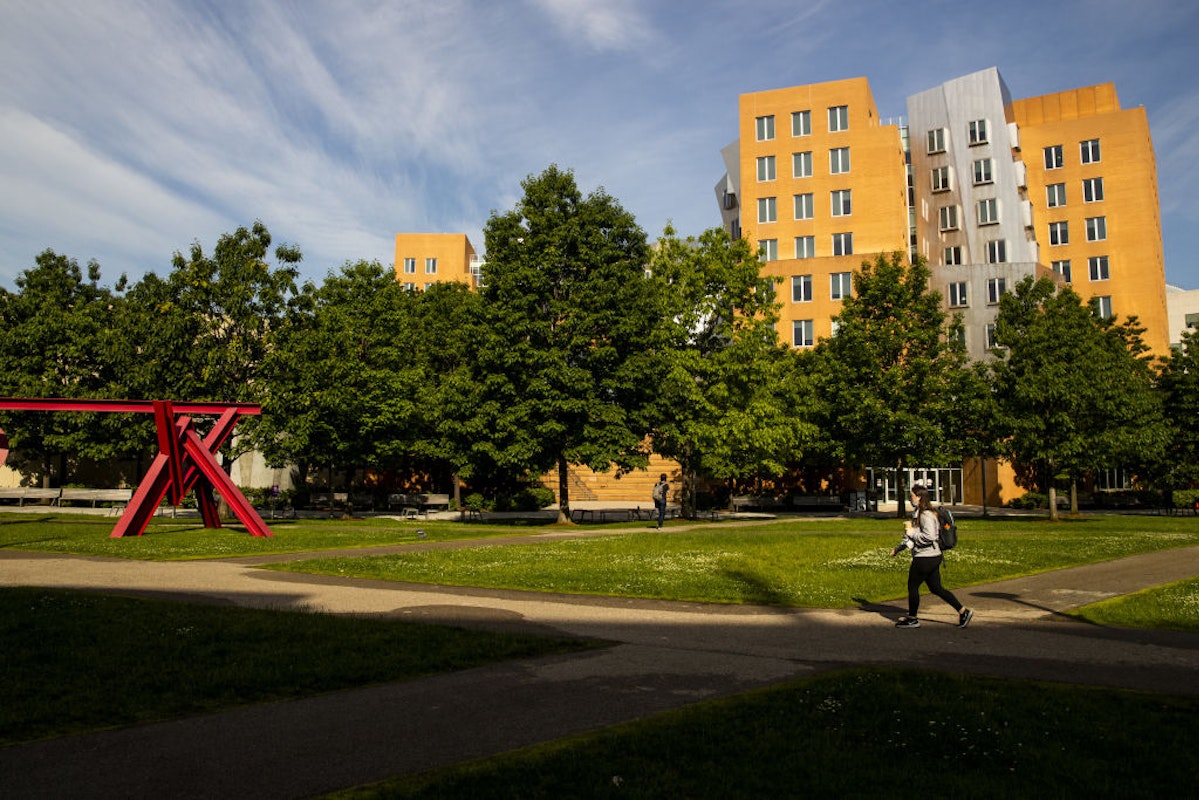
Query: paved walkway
point(667, 655)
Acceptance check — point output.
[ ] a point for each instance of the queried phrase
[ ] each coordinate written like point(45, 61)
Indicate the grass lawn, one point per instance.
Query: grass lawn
point(802, 563)
point(75, 661)
point(171, 539)
point(1172, 607)
point(859, 734)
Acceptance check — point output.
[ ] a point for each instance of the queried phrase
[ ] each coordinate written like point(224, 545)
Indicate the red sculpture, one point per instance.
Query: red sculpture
point(184, 461)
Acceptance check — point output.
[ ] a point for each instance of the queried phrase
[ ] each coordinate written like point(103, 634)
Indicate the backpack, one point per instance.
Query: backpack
point(660, 491)
point(947, 529)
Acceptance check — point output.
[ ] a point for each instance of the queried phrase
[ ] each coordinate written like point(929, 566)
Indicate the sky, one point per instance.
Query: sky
point(130, 129)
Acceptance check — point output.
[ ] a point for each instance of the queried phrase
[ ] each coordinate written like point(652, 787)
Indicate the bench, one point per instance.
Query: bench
point(434, 501)
point(119, 496)
point(745, 502)
point(23, 493)
point(329, 500)
point(817, 502)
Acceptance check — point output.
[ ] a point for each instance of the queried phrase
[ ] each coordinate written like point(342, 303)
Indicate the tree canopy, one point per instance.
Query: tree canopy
point(564, 368)
point(1056, 416)
point(728, 392)
point(888, 375)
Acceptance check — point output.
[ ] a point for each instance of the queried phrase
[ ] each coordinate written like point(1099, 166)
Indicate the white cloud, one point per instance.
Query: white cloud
point(602, 26)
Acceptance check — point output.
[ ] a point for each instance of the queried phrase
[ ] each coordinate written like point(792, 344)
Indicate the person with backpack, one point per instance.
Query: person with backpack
point(922, 538)
point(660, 493)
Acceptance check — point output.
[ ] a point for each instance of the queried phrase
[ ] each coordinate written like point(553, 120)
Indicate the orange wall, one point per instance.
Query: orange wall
point(876, 180)
point(453, 252)
point(1130, 205)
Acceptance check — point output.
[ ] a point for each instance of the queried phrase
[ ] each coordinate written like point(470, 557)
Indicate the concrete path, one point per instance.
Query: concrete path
point(667, 655)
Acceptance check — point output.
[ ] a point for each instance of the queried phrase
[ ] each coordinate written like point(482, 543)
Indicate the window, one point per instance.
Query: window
point(940, 179)
point(1092, 190)
point(838, 119)
point(803, 333)
point(1118, 478)
point(841, 285)
point(805, 246)
point(988, 211)
point(978, 131)
point(1102, 306)
point(1059, 233)
point(982, 171)
point(410, 287)
point(769, 249)
point(1053, 157)
point(1191, 320)
point(838, 160)
point(803, 206)
point(949, 218)
point(1055, 195)
point(766, 168)
point(767, 209)
point(957, 295)
point(430, 266)
point(843, 244)
point(936, 140)
point(410, 266)
point(1062, 268)
point(801, 123)
point(1098, 267)
point(801, 165)
point(953, 256)
point(1096, 229)
point(997, 251)
point(765, 128)
point(801, 288)
point(842, 207)
point(991, 336)
point(996, 287)
point(1089, 151)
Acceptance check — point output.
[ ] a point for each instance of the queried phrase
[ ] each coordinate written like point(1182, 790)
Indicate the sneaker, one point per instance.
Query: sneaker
point(965, 617)
point(907, 622)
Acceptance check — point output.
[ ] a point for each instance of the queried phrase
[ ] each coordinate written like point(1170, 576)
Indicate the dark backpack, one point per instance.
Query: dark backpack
point(947, 529)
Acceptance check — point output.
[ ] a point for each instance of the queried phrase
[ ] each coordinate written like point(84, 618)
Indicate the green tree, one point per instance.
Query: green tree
point(201, 332)
point(727, 406)
point(1179, 384)
point(889, 373)
point(1075, 392)
point(341, 383)
point(565, 373)
point(56, 340)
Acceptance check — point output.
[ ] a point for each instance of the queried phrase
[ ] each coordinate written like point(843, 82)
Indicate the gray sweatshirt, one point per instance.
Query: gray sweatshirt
point(923, 540)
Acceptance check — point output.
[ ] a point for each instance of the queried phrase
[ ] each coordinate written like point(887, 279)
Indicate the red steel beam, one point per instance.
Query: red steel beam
point(127, 406)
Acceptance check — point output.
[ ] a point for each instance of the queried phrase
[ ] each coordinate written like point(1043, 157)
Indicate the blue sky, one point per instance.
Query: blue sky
point(130, 129)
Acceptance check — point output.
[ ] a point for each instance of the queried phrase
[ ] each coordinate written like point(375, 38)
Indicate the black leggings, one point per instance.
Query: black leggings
point(927, 569)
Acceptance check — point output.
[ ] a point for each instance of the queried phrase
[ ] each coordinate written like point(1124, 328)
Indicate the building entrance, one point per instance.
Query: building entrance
point(945, 483)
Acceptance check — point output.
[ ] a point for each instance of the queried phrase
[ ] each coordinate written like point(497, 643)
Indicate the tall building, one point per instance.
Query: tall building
point(423, 259)
point(817, 182)
point(987, 189)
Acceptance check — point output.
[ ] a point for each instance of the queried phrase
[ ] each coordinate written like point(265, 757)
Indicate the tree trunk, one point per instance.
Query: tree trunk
point(900, 495)
point(982, 471)
point(1052, 492)
point(1074, 496)
point(563, 491)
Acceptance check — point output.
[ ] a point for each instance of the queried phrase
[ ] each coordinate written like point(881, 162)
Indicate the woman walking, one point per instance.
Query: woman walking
point(921, 537)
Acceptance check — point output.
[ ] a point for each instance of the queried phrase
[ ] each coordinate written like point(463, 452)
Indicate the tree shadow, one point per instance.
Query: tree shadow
point(888, 612)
